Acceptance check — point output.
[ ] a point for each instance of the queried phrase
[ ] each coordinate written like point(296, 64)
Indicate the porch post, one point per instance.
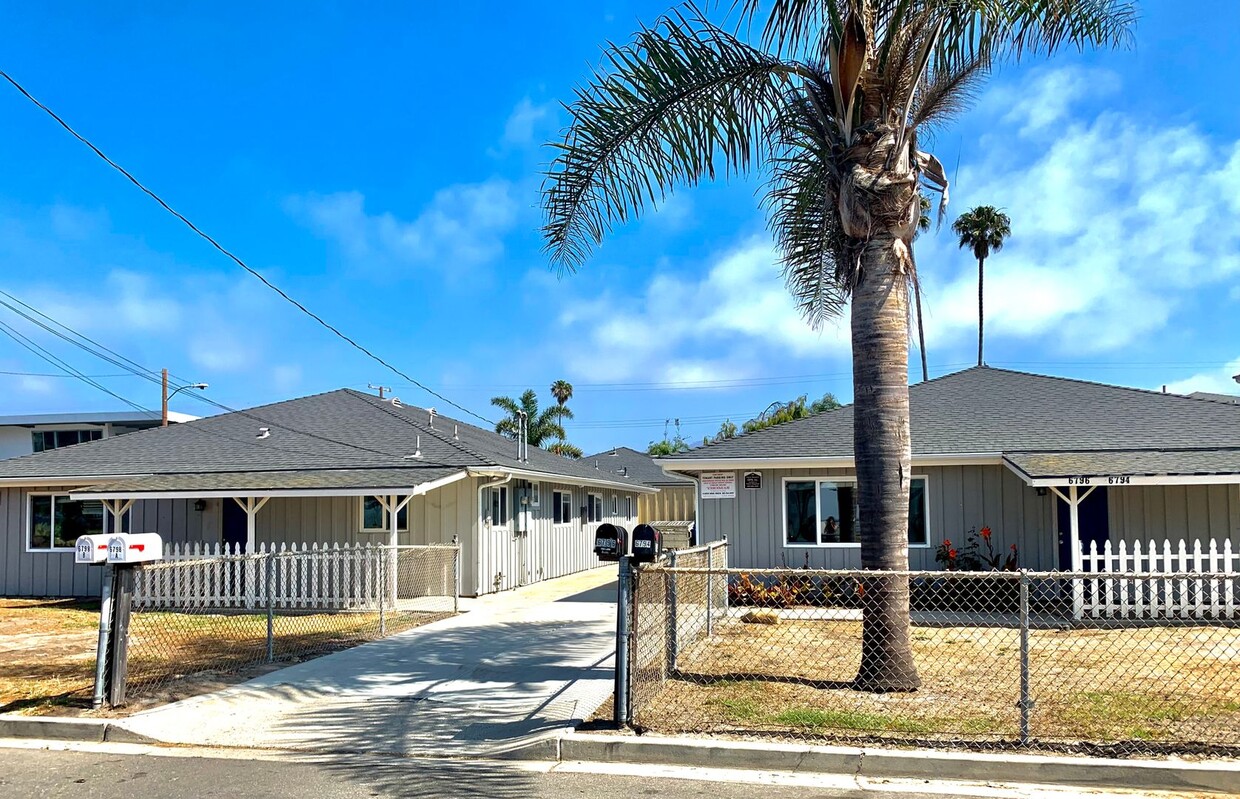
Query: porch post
point(394, 505)
point(251, 506)
point(1074, 527)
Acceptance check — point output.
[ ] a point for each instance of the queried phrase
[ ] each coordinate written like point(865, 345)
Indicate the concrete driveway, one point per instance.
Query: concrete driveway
point(513, 667)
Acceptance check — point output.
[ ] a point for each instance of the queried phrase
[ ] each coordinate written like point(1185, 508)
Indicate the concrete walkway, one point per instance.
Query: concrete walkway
point(513, 667)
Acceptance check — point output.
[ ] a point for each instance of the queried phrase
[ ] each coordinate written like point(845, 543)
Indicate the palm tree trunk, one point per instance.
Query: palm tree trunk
point(921, 333)
point(981, 323)
point(884, 460)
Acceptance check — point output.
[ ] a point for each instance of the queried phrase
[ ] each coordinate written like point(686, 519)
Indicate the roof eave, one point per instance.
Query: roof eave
point(559, 477)
point(680, 465)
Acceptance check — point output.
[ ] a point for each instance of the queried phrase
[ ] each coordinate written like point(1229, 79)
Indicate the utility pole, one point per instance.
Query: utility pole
point(163, 422)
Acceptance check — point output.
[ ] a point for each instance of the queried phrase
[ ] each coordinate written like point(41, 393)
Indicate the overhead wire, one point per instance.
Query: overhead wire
point(237, 260)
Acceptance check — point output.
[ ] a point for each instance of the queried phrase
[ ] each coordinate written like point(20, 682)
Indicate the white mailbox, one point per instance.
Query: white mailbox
point(91, 549)
point(135, 548)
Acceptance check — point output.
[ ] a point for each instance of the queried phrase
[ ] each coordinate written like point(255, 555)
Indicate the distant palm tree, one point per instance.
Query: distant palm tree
point(923, 224)
point(830, 104)
point(984, 229)
point(562, 390)
point(543, 426)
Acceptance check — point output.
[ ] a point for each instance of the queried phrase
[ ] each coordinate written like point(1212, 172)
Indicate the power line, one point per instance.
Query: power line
point(283, 294)
point(86, 343)
point(59, 374)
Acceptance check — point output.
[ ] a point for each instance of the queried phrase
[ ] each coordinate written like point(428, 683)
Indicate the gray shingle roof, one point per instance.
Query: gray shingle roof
point(1231, 399)
point(1130, 462)
point(984, 410)
point(636, 465)
point(344, 479)
point(337, 430)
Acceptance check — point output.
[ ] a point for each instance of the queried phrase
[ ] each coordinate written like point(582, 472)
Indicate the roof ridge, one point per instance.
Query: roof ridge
point(1095, 383)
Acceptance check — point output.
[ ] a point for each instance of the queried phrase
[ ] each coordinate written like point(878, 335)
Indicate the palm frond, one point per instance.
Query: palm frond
point(947, 93)
point(682, 103)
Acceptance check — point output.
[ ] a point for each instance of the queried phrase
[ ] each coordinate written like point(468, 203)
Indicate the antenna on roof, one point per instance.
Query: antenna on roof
point(380, 389)
point(263, 432)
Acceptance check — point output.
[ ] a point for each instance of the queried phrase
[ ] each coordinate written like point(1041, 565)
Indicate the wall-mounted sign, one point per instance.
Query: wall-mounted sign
point(718, 485)
point(753, 480)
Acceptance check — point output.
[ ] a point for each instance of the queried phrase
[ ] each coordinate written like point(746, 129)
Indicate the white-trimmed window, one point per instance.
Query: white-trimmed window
point(495, 506)
point(628, 508)
point(54, 521)
point(615, 505)
point(594, 508)
point(535, 495)
point(375, 519)
point(822, 511)
point(562, 507)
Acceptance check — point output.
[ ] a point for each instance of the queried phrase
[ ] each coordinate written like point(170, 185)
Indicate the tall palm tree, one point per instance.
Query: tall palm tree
point(828, 105)
point(983, 229)
point(562, 390)
point(542, 426)
point(923, 224)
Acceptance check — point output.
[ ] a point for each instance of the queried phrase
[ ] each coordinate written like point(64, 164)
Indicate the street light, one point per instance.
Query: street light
point(167, 396)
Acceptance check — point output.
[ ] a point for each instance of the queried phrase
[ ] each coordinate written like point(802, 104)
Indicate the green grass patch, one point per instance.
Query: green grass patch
point(818, 718)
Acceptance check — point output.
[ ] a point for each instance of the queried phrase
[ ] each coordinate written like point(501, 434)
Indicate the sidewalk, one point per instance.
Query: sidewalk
point(514, 667)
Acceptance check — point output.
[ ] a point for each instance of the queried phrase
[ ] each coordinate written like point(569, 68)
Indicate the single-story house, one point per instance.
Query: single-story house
point(1052, 465)
point(673, 508)
point(23, 434)
point(341, 467)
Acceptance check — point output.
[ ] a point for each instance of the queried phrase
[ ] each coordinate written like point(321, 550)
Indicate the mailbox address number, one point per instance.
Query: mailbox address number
point(1113, 480)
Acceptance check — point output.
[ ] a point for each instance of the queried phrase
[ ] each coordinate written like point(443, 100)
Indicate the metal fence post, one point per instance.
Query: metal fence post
point(624, 602)
point(118, 662)
point(1026, 701)
point(105, 639)
point(268, 572)
point(672, 611)
point(456, 575)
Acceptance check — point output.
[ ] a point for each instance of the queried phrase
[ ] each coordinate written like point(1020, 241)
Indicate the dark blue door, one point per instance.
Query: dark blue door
point(1094, 519)
point(234, 525)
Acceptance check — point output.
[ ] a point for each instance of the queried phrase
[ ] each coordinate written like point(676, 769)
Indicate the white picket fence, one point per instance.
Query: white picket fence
point(286, 576)
point(1163, 581)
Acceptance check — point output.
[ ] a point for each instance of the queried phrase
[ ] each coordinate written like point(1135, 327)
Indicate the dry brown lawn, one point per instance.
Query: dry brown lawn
point(47, 650)
point(1152, 684)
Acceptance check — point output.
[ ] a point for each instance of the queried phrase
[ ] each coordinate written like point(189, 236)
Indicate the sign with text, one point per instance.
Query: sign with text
point(718, 485)
point(753, 480)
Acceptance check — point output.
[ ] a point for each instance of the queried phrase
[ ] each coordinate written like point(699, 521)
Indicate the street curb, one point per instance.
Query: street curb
point(1169, 775)
point(57, 728)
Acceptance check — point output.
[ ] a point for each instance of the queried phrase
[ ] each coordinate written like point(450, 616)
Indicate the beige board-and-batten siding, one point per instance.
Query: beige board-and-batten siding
point(508, 559)
point(671, 504)
point(53, 573)
point(958, 497)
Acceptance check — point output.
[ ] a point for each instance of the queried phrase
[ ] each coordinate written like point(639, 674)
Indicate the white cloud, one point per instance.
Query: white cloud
point(1220, 381)
point(528, 122)
point(463, 225)
point(1047, 96)
point(1115, 225)
point(683, 329)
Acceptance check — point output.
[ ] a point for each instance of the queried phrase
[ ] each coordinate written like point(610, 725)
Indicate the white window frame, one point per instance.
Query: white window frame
point(562, 501)
point(387, 517)
point(628, 509)
point(827, 478)
point(591, 516)
point(505, 504)
point(615, 506)
point(78, 430)
point(107, 520)
point(535, 495)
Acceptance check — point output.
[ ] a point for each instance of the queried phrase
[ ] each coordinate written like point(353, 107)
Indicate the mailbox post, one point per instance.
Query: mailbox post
point(120, 554)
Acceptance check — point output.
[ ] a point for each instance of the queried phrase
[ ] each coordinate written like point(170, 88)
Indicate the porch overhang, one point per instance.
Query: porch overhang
point(551, 477)
point(317, 483)
point(1219, 466)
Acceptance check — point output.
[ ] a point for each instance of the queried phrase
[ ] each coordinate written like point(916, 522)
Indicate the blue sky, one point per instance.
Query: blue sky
point(381, 162)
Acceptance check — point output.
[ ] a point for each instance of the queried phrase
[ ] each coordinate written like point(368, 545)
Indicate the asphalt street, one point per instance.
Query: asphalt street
point(104, 771)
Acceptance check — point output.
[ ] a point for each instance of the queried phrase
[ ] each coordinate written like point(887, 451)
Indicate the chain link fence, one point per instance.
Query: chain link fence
point(198, 622)
point(1001, 657)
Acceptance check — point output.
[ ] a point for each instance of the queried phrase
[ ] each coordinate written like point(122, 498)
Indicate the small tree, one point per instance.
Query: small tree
point(669, 445)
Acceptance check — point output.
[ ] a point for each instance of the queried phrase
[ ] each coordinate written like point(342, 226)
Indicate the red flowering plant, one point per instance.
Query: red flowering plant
point(946, 555)
point(979, 554)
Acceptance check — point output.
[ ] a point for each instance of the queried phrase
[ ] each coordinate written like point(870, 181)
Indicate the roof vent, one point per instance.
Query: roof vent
point(263, 432)
point(396, 402)
point(417, 452)
point(431, 411)
point(456, 436)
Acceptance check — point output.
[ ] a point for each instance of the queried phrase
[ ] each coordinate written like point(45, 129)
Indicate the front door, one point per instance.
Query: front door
point(234, 526)
point(1095, 522)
